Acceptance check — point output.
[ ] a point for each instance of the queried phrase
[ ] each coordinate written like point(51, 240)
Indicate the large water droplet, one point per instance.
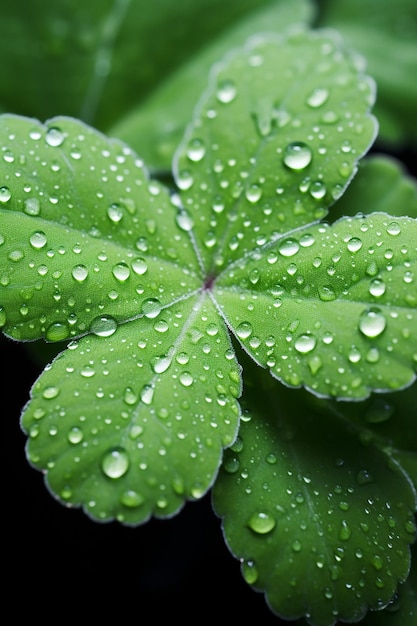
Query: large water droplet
point(297, 156)
point(226, 91)
point(31, 206)
point(57, 332)
point(262, 523)
point(151, 307)
point(121, 272)
point(377, 288)
point(196, 150)
point(186, 379)
point(244, 330)
point(305, 343)
point(317, 98)
point(372, 322)
point(38, 240)
point(288, 247)
point(5, 194)
point(103, 326)
point(184, 220)
point(54, 137)
point(115, 463)
point(79, 273)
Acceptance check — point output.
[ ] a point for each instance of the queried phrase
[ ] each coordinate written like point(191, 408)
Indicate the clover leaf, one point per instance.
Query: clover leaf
point(156, 290)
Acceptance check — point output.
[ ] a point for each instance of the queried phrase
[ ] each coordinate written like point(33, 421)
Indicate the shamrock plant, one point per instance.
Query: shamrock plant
point(217, 324)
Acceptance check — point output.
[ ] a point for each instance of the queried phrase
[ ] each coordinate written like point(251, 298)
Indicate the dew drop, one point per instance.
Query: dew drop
point(151, 307)
point(121, 272)
point(354, 244)
point(305, 343)
point(372, 322)
point(317, 98)
point(146, 394)
point(196, 150)
point(186, 379)
point(226, 91)
point(161, 363)
point(249, 572)
point(54, 137)
point(139, 266)
point(394, 228)
point(57, 332)
point(115, 463)
point(254, 193)
point(131, 499)
point(297, 156)
point(377, 288)
point(75, 435)
point(31, 206)
point(184, 220)
point(379, 410)
point(244, 330)
point(317, 190)
point(185, 180)
point(288, 247)
point(79, 273)
point(364, 477)
point(5, 194)
point(103, 326)
point(130, 397)
point(326, 294)
point(38, 240)
point(115, 213)
point(50, 392)
point(261, 523)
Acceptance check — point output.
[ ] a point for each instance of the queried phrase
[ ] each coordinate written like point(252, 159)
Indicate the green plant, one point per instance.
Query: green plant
point(274, 244)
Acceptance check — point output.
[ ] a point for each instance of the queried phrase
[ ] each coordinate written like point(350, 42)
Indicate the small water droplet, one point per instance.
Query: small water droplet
point(115, 213)
point(31, 206)
point(288, 247)
point(377, 288)
point(185, 180)
point(249, 572)
point(38, 240)
point(121, 272)
point(139, 266)
point(394, 228)
point(354, 244)
point(115, 463)
point(254, 193)
point(226, 91)
point(54, 137)
point(261, 522)
point(50, 392)
point(364, 477)
point(297, 156)
point(244, 330)
point(196, 150)
point(326, 294)
point(146, 394)
point(57, 332)
point(5, 194)
point(184, 220)
point(317, 98)
point(372, 322)
point(151, 307)
point(103, 326)
point(79, 273)
point(161, 363)
point(75, 435)
point(305, 343)
point(186, 379)
point(131, 499)
point(130, 397)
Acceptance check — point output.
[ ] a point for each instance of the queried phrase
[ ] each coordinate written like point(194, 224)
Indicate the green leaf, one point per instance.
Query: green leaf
point(156, 127)
point(96, 59)
point(133, 424)
point(385, 33)
point(85, 233)
point(274, 142)
point(333, 308)
point(381, 184)
point(320, 521)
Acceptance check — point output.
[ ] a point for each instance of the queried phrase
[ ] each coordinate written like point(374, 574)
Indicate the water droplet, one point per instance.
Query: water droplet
point(297, 156)
point(115, 463)
point(326, 293)
point(185, 180)
point(186, 379)
point(393, 228)
point(379, 411)
point(196, 150)
point(146, 394)
point(244, 330)
point(5, 194)
point(372, 322)
point(377, 288)
point(226, 91)
point(184, 220)
point(139, 266)
point(130, 397)
point(151, 307)
point(354, 244)
point(288, 247)
point(103, 326)
point(253, 193)
point(249, 572)
point(31, 206)
point(54, 137)
point(317, 190)
point(377, 562)
point(38, 240)
point(261, 523)
point(131, 499)
point(317, 98)
point(115, 213)
point(364, 477)
point(121, 272)
point(79, 273)
point(75, 435)
point(57, 332)
point(50, 392)
point(305, 343)
point(161, 363)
